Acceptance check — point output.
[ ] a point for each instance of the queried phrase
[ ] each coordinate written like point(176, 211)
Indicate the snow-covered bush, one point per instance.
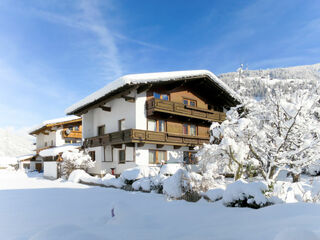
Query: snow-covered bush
point(132, 174)
point(246, 194)
point(75, 159)
point(175, 185)
point(108, 180)
point(214, 194)
point(143, 184)
point(170, 168)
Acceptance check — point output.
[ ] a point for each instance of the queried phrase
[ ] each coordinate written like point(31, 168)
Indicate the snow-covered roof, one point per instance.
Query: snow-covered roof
point(135, 79)
point(52, 152)
point(53, 122)
point(24, 157)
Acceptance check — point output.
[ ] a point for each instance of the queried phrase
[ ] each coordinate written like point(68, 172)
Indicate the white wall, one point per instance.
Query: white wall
point(59, 139)
point(53, 136)
point(173, 155)
point(87, 124)
point(141, 115)
point(103, 166)
point(42, 138)
point(50, 170)
point(120, 109)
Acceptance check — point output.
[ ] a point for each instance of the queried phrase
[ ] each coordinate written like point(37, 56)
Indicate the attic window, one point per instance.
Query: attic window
point(161, 96)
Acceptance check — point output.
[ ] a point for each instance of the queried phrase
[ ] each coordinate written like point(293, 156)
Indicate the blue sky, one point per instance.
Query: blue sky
point(53, 53)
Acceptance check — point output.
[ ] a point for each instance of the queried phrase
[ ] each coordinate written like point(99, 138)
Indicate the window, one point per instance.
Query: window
point(152, 157)
point(185, 129)
point(122, 124)
point(189, 129)
point(51, 142)
point(156, 125)
point(161, 125)
point(101, 130)
point(193, 130)
point(92, 154)
point(161, 96)
point(157, 156)
point(189, 158)
point(45, 144)
point(122, 156)
point(215, 108)
point(152, 125)
point(76, 128)
point(26, 165)
point(190, 102)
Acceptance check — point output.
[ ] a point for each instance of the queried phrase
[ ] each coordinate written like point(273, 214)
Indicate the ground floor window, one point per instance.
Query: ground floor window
point(26, 165)
point(122, 156)
point(189, 157)
point(157, 156)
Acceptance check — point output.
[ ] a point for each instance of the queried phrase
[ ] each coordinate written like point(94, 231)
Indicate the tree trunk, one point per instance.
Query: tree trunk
point(272, 172)
point(295, 177)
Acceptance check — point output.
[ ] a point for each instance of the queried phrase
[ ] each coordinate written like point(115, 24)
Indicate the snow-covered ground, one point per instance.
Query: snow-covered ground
point(34, 208)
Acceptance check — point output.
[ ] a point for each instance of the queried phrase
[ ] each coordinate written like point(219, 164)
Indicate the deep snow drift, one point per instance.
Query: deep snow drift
point(35, 208)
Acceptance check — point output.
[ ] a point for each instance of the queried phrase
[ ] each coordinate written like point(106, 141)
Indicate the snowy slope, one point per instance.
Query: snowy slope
point(253, 83)
point(15, 142)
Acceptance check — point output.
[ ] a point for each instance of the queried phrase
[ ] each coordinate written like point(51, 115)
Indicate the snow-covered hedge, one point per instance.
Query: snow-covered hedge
point(214, 194)
point(108, 180)
point(246, 194)
point(138, 172)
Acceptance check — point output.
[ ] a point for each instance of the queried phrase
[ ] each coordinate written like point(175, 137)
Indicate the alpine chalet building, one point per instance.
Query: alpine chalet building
point(151, 119)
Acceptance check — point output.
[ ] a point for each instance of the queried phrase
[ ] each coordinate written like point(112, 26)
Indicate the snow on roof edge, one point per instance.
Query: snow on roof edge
point(146, 78)
point(52, 121)
point(51, 152)
point(23, 157)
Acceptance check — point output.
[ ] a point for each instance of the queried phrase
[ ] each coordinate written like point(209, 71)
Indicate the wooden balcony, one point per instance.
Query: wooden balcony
point(72, 134)
point(175, 108)
point(143, 136)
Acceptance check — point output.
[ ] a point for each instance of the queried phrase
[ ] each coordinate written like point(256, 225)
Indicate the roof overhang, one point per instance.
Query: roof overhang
point(131, 82)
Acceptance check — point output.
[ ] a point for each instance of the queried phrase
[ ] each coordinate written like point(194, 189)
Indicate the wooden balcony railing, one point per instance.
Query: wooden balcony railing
point(72, 134)
point(175, 108)
point(143, 136)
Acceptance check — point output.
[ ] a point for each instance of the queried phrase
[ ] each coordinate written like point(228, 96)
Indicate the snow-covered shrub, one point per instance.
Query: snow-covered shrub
point(313, 169)
point(80, 175)
point(170, 168)
point(132, 174)
point(214, 194)
point(108, 180)
point(75, 159)
point(157, 183)
point(246, 194)
point(174, 186)
point(292, 192)
point(143, 184)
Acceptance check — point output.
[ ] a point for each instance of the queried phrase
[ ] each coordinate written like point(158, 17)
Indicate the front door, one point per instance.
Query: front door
point(39, 167)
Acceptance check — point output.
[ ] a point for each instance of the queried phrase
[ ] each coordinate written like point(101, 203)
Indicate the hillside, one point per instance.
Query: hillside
point(15, 142)
point(253, 83)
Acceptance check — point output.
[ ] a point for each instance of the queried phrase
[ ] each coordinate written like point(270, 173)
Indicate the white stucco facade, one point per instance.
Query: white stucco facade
point(53, 138)
point(134, 113)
